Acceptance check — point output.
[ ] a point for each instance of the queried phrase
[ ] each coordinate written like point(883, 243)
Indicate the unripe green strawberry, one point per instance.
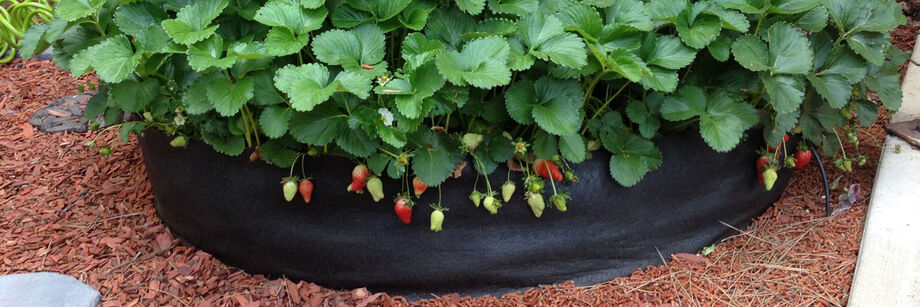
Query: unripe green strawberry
point(437, 219)
point(476, 197)
point(559, 202)
point(769, 178)
point(472, 140)
point(790, 161)
point(862, 160)
point(289, 186)
point(594, 145)
point(536, 203)
point(375, 186)
point(508, 190)
point(491, 204)
point(570, 176)
point(148, 117)
point(848, 165)
point(105, 151)
point(179, 141)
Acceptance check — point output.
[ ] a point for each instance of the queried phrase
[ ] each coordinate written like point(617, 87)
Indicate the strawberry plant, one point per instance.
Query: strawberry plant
point(412, 88)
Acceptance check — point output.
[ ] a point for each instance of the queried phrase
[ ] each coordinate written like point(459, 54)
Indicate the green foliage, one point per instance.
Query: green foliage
point(397, 84)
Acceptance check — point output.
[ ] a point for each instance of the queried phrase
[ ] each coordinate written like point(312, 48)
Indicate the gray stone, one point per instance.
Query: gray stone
point(63, 114)
point(45, 289)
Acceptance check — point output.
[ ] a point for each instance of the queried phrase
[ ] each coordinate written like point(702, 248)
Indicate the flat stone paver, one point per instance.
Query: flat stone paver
point(888, 268)
point(46, 289)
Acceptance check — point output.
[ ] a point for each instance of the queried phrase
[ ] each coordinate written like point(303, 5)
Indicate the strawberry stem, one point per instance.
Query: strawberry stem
point(551, 179)
point(483, 169)
point(844, 151)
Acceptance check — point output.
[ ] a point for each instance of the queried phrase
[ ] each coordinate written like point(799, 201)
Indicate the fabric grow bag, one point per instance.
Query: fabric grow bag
point(234, 209)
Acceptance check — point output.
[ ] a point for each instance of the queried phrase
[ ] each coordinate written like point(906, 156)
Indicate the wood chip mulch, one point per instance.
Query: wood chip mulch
point(66, 209)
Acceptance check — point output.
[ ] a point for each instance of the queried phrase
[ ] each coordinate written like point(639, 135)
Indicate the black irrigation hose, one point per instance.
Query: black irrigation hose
point(827, 185)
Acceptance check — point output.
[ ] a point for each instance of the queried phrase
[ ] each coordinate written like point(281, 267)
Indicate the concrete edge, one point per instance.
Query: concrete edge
point(888, 266)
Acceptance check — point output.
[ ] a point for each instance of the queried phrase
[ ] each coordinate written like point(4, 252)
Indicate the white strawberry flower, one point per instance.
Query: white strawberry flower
point(179, 120)
point(386, 116)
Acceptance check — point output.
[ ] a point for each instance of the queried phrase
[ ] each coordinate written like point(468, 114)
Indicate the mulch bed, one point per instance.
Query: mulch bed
point(66, 209)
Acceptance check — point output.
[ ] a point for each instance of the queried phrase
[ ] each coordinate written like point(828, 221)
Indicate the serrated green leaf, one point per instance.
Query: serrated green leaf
point(231, 145)
point(417, 50)
point(514, 7)
point(307, 85)
point(814, 20)
point(752, 53)
point(192, 22)
point(228, 97)
point(627, 64)
point(867, 112)
point(71, 10)
point(416, 14)
point(886, 83)
point(841, 61)
point(632, 159)
point(545, 145)
point(281, 42)
point(698, 31)
point(473, 7)
point(617, 36)
point(499, 148)
point(867, 15)
point(195, 99)
point(481, 63)
point(582, 17)
point(356, 142)
point(433, 165)
point(566, 49)
point(747, 6)
point(725, 122)
point(669, 52)
point(666, 10)
point(363, 45)
point(573, 148)
point(345, 16)
point(784, 92)
point(422, 84)
point(318, 127)
point(720, 49)
point(134, 18)
point(689, 102)
point(834, 88)
point(448, 26)
point(382, 10)
point(274, 121)
point(291, 16)
point(209, 53)
point(790, 50)
point(549, 102)
point(869, 45)
point(792, 6)
point(629, 12)
point(660, 79)
point(274, 152)
point(114, 59)
point(647, 114)
point(132, 96)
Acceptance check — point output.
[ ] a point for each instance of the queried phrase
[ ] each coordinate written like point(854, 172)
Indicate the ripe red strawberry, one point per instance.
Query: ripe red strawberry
point(802, 158)
point(289, 186)
point(419, 186)
point(403, 209)
point(762, 163)
point(358, 179)
point(547, 169)
point(306, 190)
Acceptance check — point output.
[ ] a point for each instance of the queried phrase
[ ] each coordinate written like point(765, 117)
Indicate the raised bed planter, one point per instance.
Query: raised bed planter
point(234, 209)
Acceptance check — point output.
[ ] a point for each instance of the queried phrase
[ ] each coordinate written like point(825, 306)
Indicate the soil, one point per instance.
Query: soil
point(66, 209)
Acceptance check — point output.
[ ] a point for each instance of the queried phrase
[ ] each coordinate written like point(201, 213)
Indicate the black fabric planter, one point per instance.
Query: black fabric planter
point(234, 209)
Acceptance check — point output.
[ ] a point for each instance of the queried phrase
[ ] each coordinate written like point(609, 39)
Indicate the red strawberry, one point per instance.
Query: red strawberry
point(419, 186)
point(306, 190)
point(367, 67)
point(358, 179)
point(762, 163)
point(403, 209)
point(802, 158)
point(546, 168)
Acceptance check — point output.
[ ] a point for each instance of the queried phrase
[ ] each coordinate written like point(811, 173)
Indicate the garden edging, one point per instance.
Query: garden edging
point(888, 267)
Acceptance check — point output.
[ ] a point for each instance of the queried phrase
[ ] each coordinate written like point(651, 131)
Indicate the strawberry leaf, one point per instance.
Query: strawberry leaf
point(228, 97)
point(192, 23)
point(481, 63)
point(433, 165)
point(318, 127)
point(274, 121)
point(573, 147)
point(549, 102)
point(307, 85)
point(114, 59)
point(72, 10)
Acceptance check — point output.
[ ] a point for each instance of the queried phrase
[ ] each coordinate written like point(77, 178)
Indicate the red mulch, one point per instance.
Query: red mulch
point(66, 209)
